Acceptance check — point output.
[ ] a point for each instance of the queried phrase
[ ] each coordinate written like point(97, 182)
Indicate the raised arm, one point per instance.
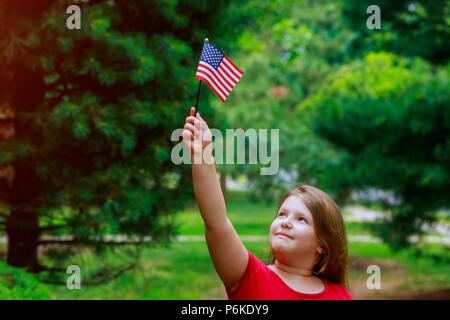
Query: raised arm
point(227, 251)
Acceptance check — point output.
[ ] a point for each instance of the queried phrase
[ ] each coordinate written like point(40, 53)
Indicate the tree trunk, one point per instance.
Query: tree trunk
point(23, 233)
point(25, 88)
point(22, 225)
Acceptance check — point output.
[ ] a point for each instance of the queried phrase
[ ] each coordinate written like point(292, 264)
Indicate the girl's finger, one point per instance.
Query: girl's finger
point(201, 119)
point(189, 127)
point(187, 137)
point(192, 111)
point(198, 124)
point(187, 133)
point(190, 119)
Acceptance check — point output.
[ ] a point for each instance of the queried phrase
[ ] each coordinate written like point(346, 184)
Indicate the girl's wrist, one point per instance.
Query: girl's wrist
point(202, 157)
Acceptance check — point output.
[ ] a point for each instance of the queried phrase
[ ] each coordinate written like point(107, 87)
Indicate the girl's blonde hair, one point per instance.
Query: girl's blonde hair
point(330, 231)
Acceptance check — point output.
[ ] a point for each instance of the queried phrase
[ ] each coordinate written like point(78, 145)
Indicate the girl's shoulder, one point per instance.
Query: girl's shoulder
point(339, 290)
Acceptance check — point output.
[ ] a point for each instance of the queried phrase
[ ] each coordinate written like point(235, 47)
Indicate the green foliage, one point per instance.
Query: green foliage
point(101, 103)
point(17, 284)
point(351, 115)
point(291, 50)
point(408, 28)
point(391, 116)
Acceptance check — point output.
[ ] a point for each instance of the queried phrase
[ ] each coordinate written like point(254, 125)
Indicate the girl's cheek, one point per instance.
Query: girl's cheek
point(273, 227)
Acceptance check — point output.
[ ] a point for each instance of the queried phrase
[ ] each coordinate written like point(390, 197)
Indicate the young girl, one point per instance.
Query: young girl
point(307, 236)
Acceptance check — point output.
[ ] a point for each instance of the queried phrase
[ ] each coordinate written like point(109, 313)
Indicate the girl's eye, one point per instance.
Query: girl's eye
point(302, 219)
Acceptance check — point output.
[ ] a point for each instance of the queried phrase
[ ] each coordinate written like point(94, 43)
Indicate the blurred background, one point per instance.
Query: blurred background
point(86, 115)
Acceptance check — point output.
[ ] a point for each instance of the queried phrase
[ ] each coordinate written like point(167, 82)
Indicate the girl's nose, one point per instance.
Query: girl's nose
point(285, 224)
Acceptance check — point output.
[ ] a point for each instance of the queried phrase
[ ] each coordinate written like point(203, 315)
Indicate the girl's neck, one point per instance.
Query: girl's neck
point(292, 271)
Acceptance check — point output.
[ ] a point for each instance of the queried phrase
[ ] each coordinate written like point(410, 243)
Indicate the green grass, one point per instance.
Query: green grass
point(182, 271)
point(426, 272)
point(443, 217)
point(17, 284)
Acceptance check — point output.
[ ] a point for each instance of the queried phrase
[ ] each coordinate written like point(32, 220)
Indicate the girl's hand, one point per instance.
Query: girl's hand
point(196, 134)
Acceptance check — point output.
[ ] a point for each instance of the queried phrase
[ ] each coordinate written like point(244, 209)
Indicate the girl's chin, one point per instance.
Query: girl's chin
point(279, 245)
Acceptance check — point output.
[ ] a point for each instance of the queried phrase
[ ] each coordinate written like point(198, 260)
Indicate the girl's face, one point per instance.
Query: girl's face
point(299, 241)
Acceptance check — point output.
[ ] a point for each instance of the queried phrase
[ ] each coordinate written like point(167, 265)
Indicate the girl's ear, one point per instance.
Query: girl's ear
point(321, 250)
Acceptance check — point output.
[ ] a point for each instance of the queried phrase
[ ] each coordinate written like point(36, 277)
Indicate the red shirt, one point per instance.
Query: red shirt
point(259, 282)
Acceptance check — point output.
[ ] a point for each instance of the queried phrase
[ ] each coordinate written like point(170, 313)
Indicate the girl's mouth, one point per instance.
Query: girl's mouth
point(283, 235)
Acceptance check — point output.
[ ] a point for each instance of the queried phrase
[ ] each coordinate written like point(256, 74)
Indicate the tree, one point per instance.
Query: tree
point(286, 57)
point(92, 113)
point(408, 28)
point(311, 71)
point(389, 115)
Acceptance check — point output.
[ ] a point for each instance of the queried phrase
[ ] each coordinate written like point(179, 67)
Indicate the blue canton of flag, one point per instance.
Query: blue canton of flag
point(217, 70)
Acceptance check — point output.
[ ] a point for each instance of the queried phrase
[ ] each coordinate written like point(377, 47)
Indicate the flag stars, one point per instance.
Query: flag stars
point(211, 55)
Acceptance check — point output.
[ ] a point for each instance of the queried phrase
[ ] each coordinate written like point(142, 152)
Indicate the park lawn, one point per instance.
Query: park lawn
point(183, 270)
point(403, 273)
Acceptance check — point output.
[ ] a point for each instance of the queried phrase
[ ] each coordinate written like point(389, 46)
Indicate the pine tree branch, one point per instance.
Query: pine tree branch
point(24, 208)
point(95, 2)
point(53, 227)
point(3, 215)
point(42, 268)
point(6, 120)
point(89, 242)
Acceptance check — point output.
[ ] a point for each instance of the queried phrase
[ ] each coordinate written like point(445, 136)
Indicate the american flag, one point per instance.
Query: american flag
point(217, 70)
